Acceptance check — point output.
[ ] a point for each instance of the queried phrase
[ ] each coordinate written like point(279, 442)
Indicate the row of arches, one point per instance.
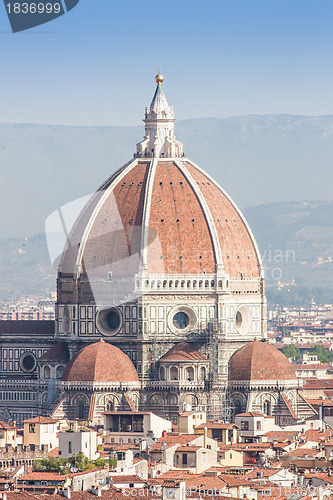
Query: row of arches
point(189, 284)
point(183, 373)
point(52, 372)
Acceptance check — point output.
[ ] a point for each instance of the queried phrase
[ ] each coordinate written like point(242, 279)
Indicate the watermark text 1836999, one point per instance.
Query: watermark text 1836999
point(25, 14)
point(33, 8)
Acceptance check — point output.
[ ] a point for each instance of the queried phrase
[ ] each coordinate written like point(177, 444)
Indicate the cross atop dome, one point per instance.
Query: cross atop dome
point(159, 78)
point(159, 139)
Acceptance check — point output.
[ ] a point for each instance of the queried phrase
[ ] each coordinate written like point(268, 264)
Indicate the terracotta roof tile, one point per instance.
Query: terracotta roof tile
point(59, 352)
point(41, 420)
point(260, 361)
point(183, 352)
point(100, 362)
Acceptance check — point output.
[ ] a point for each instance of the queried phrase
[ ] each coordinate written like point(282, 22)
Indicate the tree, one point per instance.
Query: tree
point(291, 351)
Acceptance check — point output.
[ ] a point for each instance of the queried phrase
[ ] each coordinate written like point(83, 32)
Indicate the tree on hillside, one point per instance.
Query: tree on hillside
point(291, 351)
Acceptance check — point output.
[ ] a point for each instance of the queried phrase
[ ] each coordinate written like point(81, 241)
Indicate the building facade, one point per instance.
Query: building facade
point(161, 265)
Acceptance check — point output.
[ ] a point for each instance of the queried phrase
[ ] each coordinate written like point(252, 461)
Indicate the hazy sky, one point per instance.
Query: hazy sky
point(96, 64)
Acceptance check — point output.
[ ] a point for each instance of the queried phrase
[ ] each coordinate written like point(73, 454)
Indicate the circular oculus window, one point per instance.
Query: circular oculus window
point(243, 320)
point(109, 320)
point(28, 362)
point(182, 319)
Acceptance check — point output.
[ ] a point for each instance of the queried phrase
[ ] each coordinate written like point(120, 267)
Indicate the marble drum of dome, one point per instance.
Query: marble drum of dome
point(161, 227)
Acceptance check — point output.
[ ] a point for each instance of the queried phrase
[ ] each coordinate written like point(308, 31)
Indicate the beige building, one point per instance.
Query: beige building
point(223, 432)
point(132, 427)
point(195, 458)
point(8, 435)
point(253, 425)
point(72, 443)
point(41, 432)
point(229, 457)
point(188, 420)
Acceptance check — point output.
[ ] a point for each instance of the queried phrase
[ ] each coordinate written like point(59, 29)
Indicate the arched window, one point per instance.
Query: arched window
point(47, 372)
point(238, 407)
point(81, 411)
point(156, 400)
point(162, 373)
point(189, 373)
point(202, 373)
point(173, 373)
point(173, 400)
point(267, 409)
point(60, 371)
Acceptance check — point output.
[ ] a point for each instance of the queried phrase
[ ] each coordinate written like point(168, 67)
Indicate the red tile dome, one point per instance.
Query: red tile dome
point(260, 361)
point(100, 362)
point(190, 224)
point(183, 352)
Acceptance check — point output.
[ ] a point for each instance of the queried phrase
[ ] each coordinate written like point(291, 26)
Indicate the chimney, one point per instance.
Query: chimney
point(95, 490)
point(164, 434)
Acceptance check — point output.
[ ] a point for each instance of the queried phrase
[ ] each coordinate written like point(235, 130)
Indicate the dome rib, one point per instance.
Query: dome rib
point(207, 213)
point(108, 187)
point(238, 211)
point(146, 213)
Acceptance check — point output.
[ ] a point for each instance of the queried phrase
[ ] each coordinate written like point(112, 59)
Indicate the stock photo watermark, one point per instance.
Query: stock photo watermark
point(27, 14)
point(272, 257)
point(267, 491)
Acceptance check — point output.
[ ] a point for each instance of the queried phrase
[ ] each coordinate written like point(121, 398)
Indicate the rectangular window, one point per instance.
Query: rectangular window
point(244, 425)
point(32, 428)
point(70, 447)
point(83, 312)
point(258, 426)
point(184, 458)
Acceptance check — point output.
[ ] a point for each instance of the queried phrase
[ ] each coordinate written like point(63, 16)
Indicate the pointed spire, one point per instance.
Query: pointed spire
point(159, 140)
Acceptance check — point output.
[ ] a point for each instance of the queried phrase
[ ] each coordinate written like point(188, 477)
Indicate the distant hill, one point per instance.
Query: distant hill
point(295, 240)
point(296, 244)
point(257, 159)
